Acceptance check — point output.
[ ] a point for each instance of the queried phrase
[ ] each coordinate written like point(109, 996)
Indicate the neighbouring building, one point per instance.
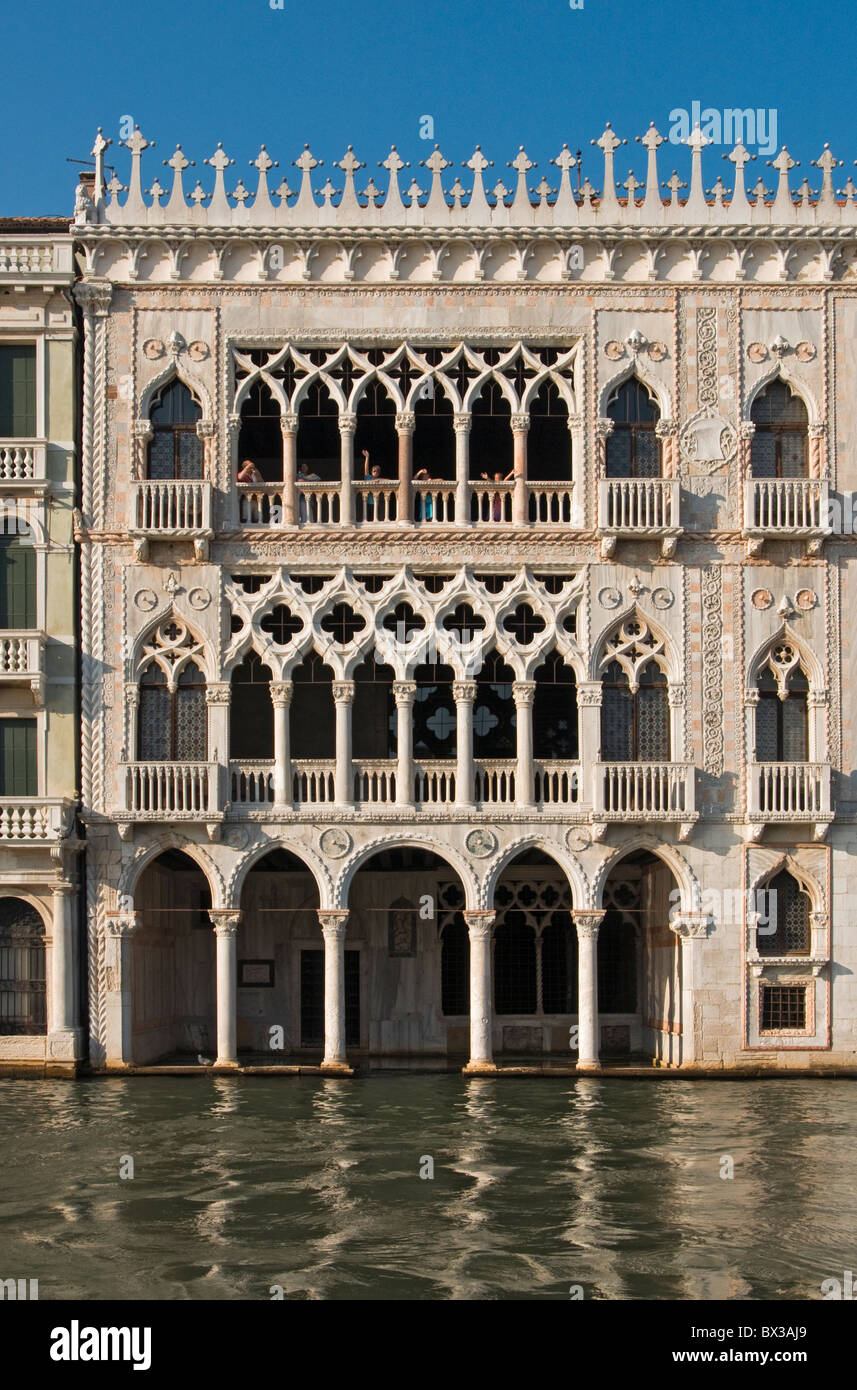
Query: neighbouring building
point(40, 956)
point(462, 580)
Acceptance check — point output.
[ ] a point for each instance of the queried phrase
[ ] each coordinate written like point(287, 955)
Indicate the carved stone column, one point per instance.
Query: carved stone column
point(405, 694)
point(479, 927)
point(464, 693)
point(589, 734)
point(525, 694)
point(343, 777)
point(667, 432)
point(587, 924)
point(118, 930)
point(64, 1036)
point(603, 430)
point(281, 698)
point(746, 430)
point(333, 924)
point(289, 428)
point(226, 930)
point(692, 932)
point(233, 430)
point(207, 431)
point(218, 695)
point(520, 429)
point(405, 425)
point(817, 451)
point(461, 425)
point(347, 428)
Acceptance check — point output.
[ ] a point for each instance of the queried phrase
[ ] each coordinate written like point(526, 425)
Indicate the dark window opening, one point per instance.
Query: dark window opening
point(260, 438)
point(434, 712)
point(617, 965)
point(175, 449)
point(172, 724)
point(782, 1006)
point(455, 968)
point(318, 443)
point(312, 715)
point(782, 726)
point(779, 445)
point(494, 721)
point(251, 714)
point(434, 436)
point(374, 712)
point(549, 438)
point(555, 721)
point(23, 997)
point(559, 965)
point(635, 726)
point(491, 443)
point(376, 431)
point(784, 929)
point(514, 966)
point(633, 448)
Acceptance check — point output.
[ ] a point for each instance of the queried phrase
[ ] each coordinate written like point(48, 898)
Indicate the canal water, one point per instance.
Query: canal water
point(242, 1187)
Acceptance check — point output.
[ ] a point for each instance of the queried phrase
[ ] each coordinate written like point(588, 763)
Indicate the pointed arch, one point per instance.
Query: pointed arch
point(655, 388)
point(781, 371)
point(443, 851)
point(175, 372)
point(132, 870)
point(188, 644)
point(805, 879)
point(805, 657)
point(664, 647)
point(686, 880)
point(571, 867)
point(313, 864)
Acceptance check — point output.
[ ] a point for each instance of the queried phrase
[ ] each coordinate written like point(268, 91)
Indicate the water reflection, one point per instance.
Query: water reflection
point(315, 1185)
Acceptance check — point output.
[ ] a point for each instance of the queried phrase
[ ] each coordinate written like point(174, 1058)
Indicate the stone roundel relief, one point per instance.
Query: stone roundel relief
point(663, 598)
point(145, 600)
point(805, 599)
point(761, 598)
point(335, 842)
point(609, 598)
point(197, 351)
point(199, 599)
point(577, 838)
point(481, 843)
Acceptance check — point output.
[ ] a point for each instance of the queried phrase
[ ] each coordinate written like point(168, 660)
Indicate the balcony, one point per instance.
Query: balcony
point(788, 793)
point(35, 820)
point(638, 509)
point(637, 793)
point(171, 509)
point(785, 508)
point(181, 791)
point(377, 502)
point(251, 782)
point(23, 466)
point(22, 661)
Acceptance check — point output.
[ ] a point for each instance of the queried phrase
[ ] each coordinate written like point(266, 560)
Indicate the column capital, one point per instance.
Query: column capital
point(520, 422)
point(480, 922)
point(691, 928)
point(463, 690)
point(333, 922)
point(289, 423)
point(62, 889)
point(587, 922)
point(603, 427)
point(524, 692)
point(233, 423)
point(589, 693)
point(406, 421)
point(343, 692)
point(665, 429)
point(347, 422)
point(144, 429)
point(404, 692)
point(94, 296)
point(224, 921)
point(218, 693)
point(461, 423)
point(121, 924)
point(282, 692)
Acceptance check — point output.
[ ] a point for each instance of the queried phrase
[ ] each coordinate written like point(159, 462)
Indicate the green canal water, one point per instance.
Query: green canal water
point(314, 1185)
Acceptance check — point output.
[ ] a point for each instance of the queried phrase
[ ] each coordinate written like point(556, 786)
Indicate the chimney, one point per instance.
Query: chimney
point(87, 178)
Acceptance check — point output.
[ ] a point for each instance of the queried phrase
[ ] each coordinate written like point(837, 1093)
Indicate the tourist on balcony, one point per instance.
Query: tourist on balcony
point(304, 476)
point(249, 473)
point(424, 502)
point(372, 474)
point(497, 500)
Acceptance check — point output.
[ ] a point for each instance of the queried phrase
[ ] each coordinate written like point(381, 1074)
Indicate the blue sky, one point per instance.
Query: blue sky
point(536, 73)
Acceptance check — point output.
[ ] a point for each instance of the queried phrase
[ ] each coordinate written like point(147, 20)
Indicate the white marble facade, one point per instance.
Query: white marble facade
point(708, 572)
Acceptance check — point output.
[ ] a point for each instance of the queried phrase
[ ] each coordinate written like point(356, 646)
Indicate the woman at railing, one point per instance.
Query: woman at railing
point(497, 500)
point(304, 476)
point(249, 473)
point(423, 508)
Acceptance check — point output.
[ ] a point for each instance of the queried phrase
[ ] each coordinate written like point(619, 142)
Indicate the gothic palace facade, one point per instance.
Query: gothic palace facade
point(462, 581)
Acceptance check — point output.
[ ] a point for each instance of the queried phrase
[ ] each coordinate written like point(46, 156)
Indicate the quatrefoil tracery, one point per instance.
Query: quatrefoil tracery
point(171, 646)
point(633, 645)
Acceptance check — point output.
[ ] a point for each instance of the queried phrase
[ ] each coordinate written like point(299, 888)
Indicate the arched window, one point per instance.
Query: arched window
point(635, 725)
point(22, 969)
point(260, 438)
point(434, 715)
point(251, 714)
point(376, 431)
point(491, 443)
point(779, 444)
point(782, 724)
point(494, 734)
point(633, 448)
point(175, 449)
point(434, 436)
point(312, 714)
point(374, 713)
point(549, 439)
point(555, 728)
point(784, 929)
point(172, 724)
point(17, 579)
point(318, 445)
point(455, 968)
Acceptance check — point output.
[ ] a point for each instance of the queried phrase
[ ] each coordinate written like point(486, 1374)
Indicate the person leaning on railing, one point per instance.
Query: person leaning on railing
point(304, 476)
point(372, 474)
point(248, 472)
point(424, 511)
point(497, 501)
